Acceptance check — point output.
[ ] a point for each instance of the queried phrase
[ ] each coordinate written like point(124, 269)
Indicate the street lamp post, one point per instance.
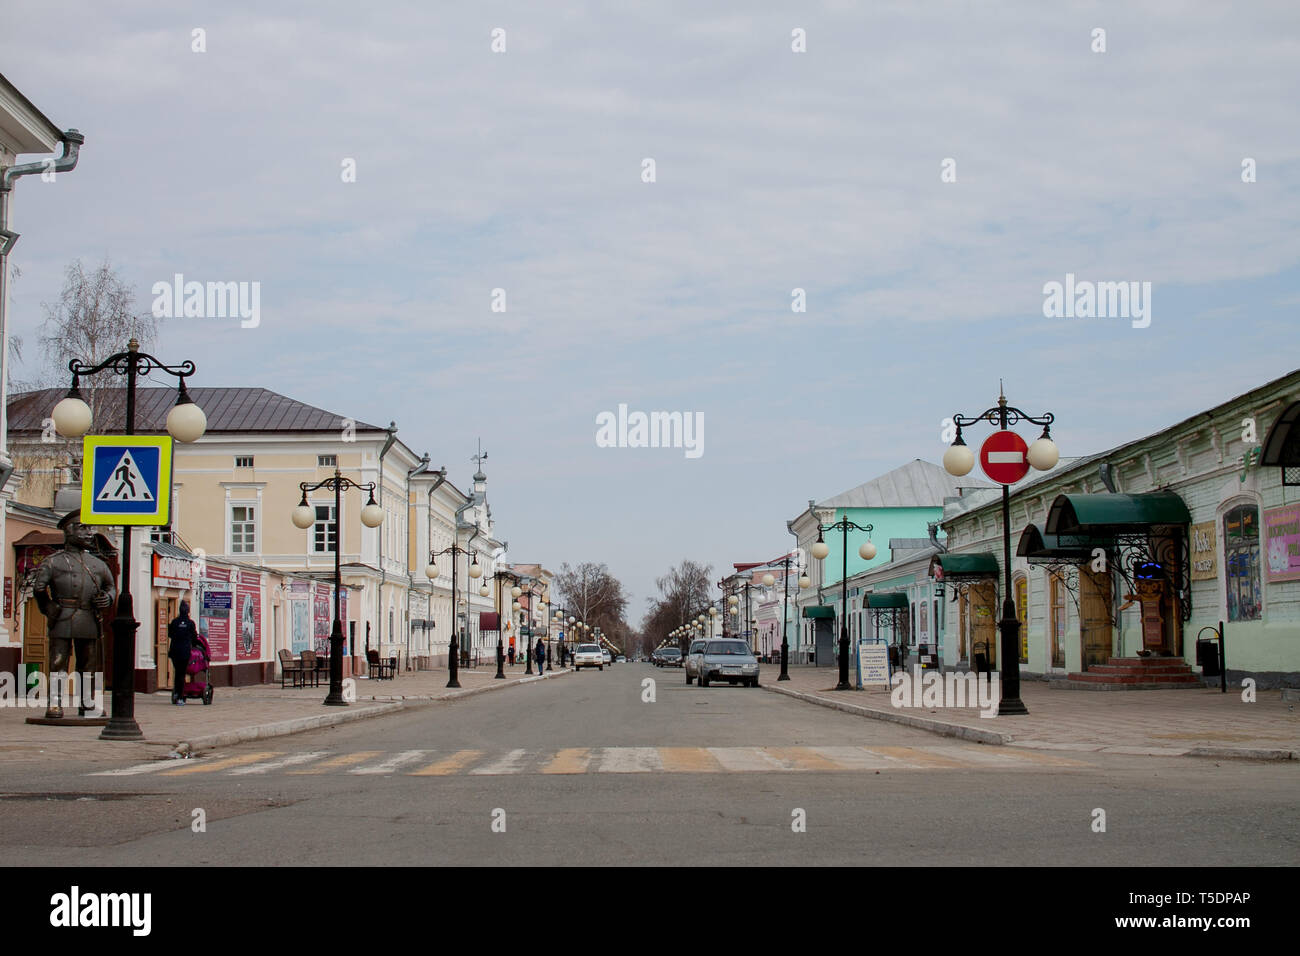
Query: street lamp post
point(958, 460)
point(304, 516)
point(431, 572)
point(866, 551)
point(186, 423)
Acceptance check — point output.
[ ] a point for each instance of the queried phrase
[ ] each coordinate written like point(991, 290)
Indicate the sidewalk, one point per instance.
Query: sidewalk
point(1199, 723)
point(242, 713)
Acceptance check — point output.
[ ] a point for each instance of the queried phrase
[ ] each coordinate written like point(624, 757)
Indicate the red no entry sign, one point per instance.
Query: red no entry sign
point(1004, 456)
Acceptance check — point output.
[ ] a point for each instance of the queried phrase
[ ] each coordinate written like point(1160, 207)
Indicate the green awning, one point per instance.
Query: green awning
point(894, 599)
point(1040, 548)
point(981, 565)
point(819, 612)
point(1104, 515)
point(1282, 445)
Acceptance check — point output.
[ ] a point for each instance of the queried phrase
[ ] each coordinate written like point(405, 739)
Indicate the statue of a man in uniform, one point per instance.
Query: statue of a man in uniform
point(71, 587)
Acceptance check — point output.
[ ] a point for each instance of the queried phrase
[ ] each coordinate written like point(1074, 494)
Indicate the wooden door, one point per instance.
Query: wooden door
point(984, 620)
point(1056, 629)
point(36, 646)
point(164, 611)
point(1094, 616)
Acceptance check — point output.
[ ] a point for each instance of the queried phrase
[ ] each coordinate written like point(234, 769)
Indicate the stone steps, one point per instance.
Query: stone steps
point(1133, 673)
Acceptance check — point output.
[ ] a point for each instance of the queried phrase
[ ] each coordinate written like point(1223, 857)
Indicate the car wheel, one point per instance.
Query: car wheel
point(704, 681)
point(602, 666)
point(688, 680)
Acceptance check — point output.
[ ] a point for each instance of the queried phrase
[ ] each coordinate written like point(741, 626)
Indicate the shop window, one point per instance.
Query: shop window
point(1241, 563)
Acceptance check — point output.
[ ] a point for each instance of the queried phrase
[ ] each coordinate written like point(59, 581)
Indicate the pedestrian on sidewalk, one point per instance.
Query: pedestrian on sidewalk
point(511, 652)
point(541, 655)
point(182, 636)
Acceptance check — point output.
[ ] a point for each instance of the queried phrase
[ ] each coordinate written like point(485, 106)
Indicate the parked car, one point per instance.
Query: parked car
point(588, 655)
point(604, 654)
point(670, 657)
point(693, 655)
point(732, 661)
point(622, 659)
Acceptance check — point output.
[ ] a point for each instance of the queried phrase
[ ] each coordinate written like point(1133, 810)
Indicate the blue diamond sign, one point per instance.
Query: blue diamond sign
point(126, 479)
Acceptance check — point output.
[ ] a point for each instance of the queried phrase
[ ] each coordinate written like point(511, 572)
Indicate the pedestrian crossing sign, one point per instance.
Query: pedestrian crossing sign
point(126, 479)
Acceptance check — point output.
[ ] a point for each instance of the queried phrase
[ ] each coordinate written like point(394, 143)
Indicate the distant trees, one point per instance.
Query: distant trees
point(683, 592)
point(591, 593)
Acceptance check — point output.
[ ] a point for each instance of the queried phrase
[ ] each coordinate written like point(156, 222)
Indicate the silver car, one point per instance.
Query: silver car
point(728, 660)
point(693, 655)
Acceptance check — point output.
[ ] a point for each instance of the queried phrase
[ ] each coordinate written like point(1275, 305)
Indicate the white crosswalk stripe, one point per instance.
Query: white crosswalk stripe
point(292, 760)
point(512, 762)
point(392, 763)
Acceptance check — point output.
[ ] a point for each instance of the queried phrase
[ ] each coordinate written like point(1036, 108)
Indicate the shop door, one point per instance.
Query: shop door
point(827, 654)
point(1094, 616)
point(164, 610)
point(983, 599)
point(36, 646)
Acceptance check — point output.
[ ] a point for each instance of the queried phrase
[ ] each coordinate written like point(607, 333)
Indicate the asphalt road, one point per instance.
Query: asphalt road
point(583, 770)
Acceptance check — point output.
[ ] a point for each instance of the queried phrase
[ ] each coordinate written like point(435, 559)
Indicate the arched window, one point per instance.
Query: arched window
point(1241, 563)
point(1020, 587)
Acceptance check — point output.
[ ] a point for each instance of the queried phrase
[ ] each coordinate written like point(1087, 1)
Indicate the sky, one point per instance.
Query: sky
point(919, 170)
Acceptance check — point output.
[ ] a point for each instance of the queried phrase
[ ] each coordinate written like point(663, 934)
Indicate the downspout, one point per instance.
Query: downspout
point(383, 574)
point(428, 613)
point(410, 579)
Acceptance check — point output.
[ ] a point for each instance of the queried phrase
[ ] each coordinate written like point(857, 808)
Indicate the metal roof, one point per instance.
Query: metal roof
point(227, 409)
point(918, 484)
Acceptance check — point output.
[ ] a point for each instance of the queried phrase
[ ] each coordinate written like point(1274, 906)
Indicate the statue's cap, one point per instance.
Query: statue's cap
point(68, 518)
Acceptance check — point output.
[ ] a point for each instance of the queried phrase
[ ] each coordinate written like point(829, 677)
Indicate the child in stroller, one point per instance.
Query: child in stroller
point(198, 675)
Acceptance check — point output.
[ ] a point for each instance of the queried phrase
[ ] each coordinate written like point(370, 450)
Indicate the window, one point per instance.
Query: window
point(243, 529)
point(324, 533)
point(1057, 633)
point(243, 461)
point(1020, 585)
point(327, 461)
point(1241, 563)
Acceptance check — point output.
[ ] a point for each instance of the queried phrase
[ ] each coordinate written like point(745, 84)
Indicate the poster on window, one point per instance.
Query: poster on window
point(248, 646)
point(322, 620)
point(1282, 541)
point(214, 615)
point(300, 612)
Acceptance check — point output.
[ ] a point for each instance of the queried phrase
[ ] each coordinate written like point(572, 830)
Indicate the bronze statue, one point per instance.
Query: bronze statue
point(71, 587)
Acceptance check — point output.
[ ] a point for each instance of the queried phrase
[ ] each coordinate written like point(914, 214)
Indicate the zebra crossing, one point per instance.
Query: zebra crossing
point(583, 760)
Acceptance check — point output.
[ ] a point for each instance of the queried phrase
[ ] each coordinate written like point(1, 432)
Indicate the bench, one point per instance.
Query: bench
point(291, 668)
point(311, 668)
point(381, 669)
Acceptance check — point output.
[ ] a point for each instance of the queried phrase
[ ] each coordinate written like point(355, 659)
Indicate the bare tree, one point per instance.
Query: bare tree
point(94, 317)
point(592, 594)
point(683, 593)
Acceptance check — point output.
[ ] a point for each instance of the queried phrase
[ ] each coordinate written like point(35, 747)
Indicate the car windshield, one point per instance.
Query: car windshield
point(697, 647)
point(729, 647)
point(671, 652)
point(588, 649)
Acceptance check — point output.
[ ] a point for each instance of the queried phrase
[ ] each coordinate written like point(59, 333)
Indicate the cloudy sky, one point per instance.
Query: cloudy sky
point(774, 170)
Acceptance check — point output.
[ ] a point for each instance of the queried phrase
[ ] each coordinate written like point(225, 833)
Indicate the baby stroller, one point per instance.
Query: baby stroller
point(198, 675)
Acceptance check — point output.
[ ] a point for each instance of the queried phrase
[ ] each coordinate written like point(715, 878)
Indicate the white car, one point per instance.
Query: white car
point(588, 655)
point(605, 656)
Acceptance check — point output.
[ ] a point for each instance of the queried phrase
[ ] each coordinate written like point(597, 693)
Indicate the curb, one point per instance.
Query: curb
point(993, 737)
point(1242, 753)
point(297, 725)
point(920, 723)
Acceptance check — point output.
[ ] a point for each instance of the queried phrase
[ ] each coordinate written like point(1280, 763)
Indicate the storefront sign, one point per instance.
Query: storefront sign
point(172, 572)
point(1205, 551)
point(214, 623)
point(1282, 540)
point(322, 618)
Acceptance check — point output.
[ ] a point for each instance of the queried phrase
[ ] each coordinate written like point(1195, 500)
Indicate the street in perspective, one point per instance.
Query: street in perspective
point(571, 437)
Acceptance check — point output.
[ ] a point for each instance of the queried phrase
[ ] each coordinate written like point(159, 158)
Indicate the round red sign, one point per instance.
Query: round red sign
point(1004, 456)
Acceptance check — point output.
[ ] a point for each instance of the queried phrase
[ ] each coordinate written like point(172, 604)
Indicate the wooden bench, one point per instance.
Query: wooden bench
point(291, 668)
point(381, 669)
point(310, 668)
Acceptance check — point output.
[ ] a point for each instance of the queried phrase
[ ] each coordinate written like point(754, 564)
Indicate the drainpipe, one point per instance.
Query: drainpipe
point(383, 574)
point(410, 579)
point(72, 141)
point(428, 618)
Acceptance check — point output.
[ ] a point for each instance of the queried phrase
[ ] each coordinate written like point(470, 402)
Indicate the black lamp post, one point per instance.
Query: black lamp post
point(431, 572)
point(304, 516)
point(866, 551)
point(186, 423)
point(958, 460)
